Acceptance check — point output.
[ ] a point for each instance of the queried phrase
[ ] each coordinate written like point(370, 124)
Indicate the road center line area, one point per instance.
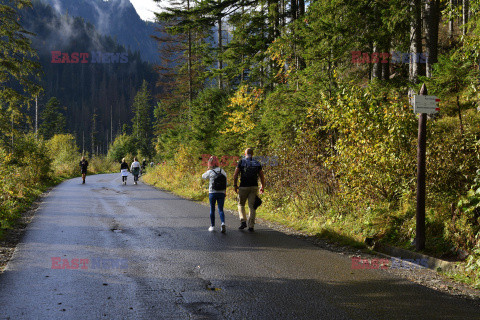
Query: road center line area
point(104, 250)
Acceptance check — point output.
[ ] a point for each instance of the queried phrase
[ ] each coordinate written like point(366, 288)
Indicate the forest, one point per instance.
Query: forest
point(325, 88)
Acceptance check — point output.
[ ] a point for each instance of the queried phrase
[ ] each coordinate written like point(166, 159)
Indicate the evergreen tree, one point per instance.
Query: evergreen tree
point(19, 69)
point(53, 121)
point(141, 121)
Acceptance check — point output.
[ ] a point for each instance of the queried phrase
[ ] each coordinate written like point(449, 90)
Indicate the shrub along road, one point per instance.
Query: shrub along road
point(104, 250)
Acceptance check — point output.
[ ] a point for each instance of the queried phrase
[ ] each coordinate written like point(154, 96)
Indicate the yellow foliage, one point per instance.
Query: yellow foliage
point(241, 112)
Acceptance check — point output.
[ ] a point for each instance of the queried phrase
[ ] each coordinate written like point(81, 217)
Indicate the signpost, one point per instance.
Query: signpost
point(424, 105)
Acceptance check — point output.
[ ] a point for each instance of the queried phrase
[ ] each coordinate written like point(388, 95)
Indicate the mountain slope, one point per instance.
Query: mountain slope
point(105, 90)
point(116, 18)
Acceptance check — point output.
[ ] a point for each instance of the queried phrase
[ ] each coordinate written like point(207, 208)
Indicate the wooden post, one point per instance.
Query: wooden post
point(421, 174)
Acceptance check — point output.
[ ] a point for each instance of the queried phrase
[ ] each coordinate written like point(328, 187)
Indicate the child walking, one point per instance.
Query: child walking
point(217, 188)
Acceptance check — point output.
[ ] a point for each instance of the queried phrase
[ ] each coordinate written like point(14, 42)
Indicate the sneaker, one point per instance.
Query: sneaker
point(223, 228)
point(211, 228)
point(243, 225)
point(250, 229)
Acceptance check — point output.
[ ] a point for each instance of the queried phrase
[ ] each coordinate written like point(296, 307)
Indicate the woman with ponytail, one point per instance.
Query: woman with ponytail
point(217, 188)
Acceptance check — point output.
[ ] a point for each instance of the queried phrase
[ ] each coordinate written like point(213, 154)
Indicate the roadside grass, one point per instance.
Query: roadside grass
point(17, 197)
point(21, 186)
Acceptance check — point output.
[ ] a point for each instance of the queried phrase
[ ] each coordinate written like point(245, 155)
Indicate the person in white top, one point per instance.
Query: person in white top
point(217, 188)
point(124, 171)
point(135, 170)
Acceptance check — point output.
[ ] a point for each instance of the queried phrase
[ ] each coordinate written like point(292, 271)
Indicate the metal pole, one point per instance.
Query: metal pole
point(421, 174)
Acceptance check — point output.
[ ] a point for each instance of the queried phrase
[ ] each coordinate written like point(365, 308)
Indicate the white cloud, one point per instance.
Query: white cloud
point(146, 8)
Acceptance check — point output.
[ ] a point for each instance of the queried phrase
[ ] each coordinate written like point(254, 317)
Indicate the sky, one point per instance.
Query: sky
point(145, 8)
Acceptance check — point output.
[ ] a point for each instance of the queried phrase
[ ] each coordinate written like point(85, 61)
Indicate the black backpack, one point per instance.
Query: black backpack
point(250, 171)
point(219, 181)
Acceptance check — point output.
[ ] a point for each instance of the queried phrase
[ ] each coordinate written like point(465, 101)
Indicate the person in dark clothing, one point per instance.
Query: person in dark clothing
point(83, 168)
point(124, 170)
point(250, 170)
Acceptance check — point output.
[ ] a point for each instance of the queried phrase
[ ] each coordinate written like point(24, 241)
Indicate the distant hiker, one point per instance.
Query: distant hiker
point(83, 168)
point(144, 165)
point(216, 188)
point(135, 169)
point(249, 170)
point(124, 171)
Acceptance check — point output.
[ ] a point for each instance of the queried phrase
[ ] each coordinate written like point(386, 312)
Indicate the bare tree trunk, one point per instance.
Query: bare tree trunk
point(377, 66)
point(36, 117)
point(432, 19)
point(301, 7)
point(415, 38)
point(294, 16)
point(450, 21)
point(460, 115)
point(301, 13)
point(242, 76)
point(465, 15)
point(386, 65)
point(220, 50)
point(294, 9)
point(190, 78)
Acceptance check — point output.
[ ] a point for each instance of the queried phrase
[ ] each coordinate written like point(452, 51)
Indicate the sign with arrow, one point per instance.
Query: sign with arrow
point(425, 104)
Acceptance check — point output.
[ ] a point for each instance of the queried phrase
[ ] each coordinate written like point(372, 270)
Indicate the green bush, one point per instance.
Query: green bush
point(25, 171)
point(63, 151)
point(122, 146)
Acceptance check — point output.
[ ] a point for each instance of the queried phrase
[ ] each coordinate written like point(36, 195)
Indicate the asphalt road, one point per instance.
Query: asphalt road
point(150, 256)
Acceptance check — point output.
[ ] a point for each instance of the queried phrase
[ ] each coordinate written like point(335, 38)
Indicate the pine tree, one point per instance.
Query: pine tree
point(141, 123)
point(53, 121)
point(19, 70)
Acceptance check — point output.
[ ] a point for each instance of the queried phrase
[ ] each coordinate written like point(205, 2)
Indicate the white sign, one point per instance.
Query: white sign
point(425, 104)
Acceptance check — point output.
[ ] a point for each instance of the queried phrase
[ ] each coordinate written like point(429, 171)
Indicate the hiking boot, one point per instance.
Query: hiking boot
point(243, 225)
point(223, 228)
point(250, 229)
point(211, 228)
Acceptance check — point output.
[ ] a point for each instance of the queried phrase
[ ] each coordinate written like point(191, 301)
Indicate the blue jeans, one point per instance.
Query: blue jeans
point(220, 198)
